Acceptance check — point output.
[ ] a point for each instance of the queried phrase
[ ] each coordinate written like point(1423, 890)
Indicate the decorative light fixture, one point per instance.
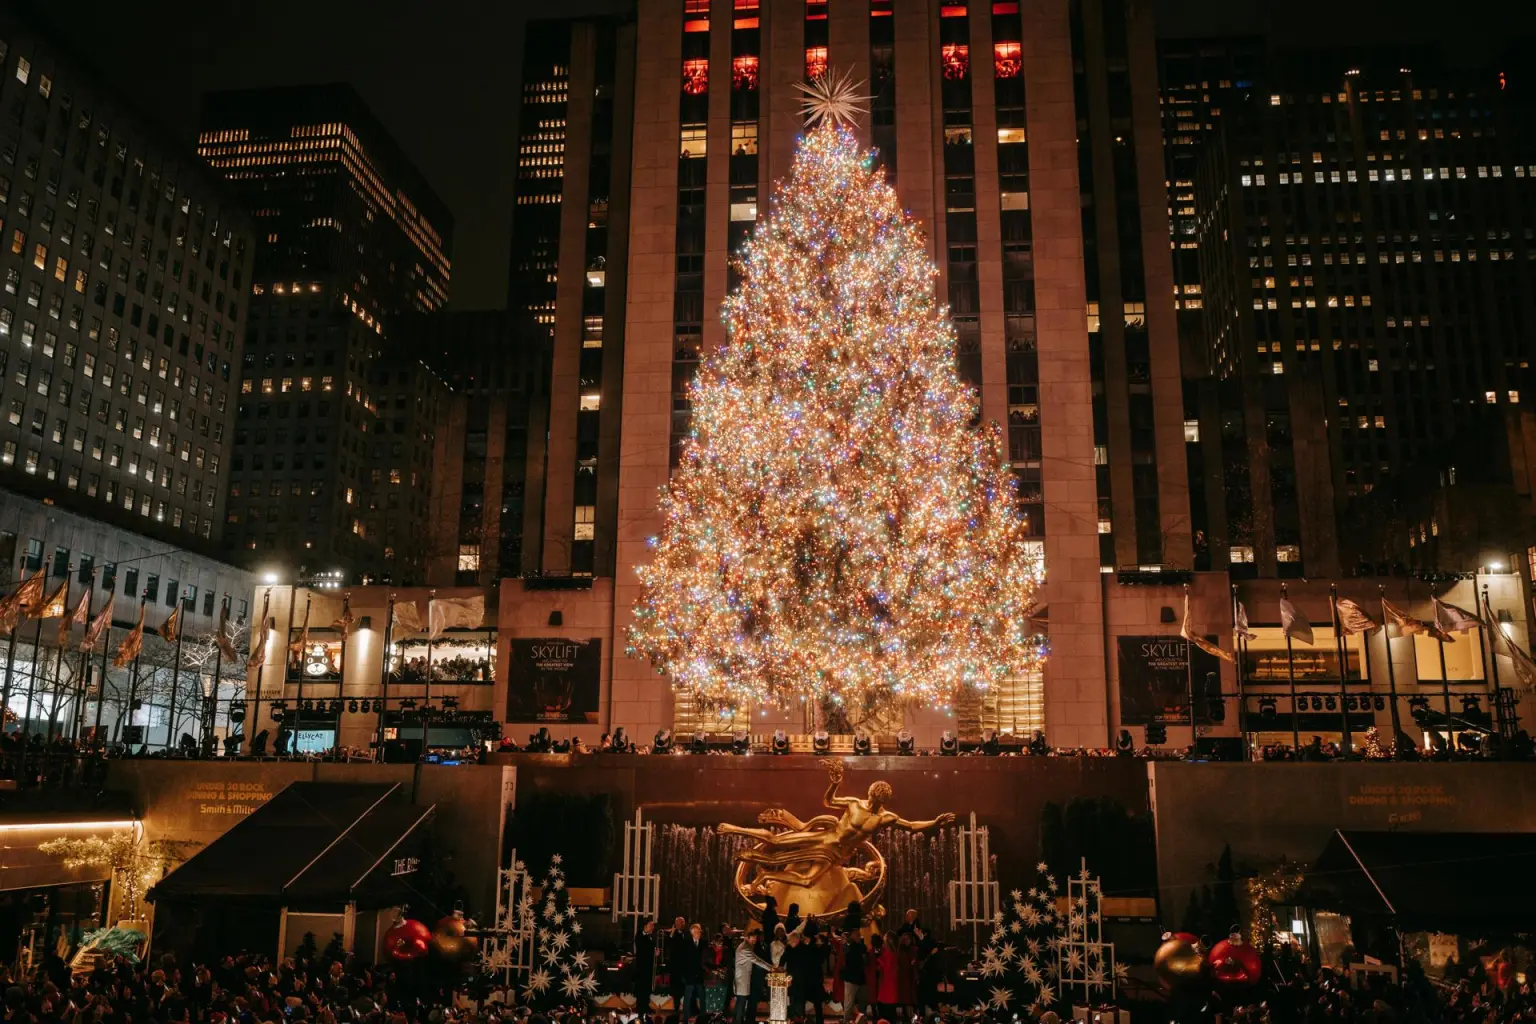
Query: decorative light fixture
point(662, 744)
point(780, 743)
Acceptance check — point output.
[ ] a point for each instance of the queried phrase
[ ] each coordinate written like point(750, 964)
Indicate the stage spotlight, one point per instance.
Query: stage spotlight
point(336, 706)
point(1381, 704)
point(561, 746)
point(990, 744)
point(862, 746)
point(619, 743)
point(1333, 705)
point(352, 706)
point(237, 711)
point(906, 745)
point(821, 743)
point(662, 744)
point(1267, 706)
point(279, 709)
point(407, 703)
point(697, 744)
point(450, 703)
point(1471, 705)
point(741, 743)
point(780, 744)
point(948, 745)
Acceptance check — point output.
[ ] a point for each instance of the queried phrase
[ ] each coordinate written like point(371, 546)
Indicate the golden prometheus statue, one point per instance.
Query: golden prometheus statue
point(827, 862)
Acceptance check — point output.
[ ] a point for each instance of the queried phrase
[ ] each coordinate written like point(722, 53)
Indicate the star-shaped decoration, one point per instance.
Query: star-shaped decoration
point(1031, 916)
point(1016, 895)
point(1015, 927)
point(1096, 977)
point(997, 933)
point(997, 917)
point(1042, 867)
point(1074, 961)
point(1007, 952)
point(1121, 973)
point(579, 959)
point(571, 986)
point(1051, 970)
point(575, 925)
point(589, 983)
point(555, 859)
point(1000, 998)
point(538, 981)
point(543, 934)
point(991, 968)
point(1032, 975)
point(560, 940)
point(558, 884)
point(519, 867)
point(551, 955)
point(832, 99)
point(1033, 945)
point(1083, 873)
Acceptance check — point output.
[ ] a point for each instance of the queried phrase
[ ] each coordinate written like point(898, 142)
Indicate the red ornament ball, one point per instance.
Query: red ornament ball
point(1235, 964)
point(407, 940)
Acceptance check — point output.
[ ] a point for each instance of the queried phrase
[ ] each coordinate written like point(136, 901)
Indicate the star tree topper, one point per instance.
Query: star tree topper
point(832, 99)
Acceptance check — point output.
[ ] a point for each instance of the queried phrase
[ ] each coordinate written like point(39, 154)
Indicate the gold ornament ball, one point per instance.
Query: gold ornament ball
point(1177, 963)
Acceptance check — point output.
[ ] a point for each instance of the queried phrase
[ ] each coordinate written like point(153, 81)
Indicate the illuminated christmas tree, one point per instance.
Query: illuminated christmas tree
point(838, 527)
point(562, 971)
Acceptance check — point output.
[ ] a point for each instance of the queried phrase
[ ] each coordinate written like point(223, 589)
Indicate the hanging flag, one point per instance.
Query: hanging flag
point(297, 646)
point(171, 625)
point(221, 635)
point(55, 606)
point(1452, 619)
point(1353, 619)
point(1240, 630)
point(20, 602)
point(454, 612)
point(1188, 632)
point(259, 638)
point(1406, 624)
point(407, 617)
point(1525, 668)
point(1293, 624)
point(132, 644)
point(79, 617)
point(98, 625)
point(344, 624)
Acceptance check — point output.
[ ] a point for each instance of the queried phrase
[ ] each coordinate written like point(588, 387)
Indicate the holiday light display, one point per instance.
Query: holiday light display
point(837, 527)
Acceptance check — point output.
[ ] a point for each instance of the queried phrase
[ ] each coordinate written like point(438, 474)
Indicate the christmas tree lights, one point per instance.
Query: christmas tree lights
point(838, 527)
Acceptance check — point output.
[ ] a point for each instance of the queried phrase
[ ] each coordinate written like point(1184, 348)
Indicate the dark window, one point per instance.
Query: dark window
point(60, 562)
point(87, 564)
point(131, 583)
point(172, 588)
point(152, 587)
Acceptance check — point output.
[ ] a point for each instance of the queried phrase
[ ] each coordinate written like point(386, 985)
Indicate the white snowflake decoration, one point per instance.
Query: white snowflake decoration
point(832, 98)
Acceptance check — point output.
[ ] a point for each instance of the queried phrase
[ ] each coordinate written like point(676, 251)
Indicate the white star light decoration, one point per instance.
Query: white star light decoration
point(832, 99)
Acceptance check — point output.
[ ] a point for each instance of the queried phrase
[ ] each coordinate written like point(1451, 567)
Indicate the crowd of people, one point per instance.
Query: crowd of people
point(889, 976)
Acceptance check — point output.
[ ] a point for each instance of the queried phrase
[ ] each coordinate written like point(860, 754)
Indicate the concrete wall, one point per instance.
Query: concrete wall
point(1266, 811)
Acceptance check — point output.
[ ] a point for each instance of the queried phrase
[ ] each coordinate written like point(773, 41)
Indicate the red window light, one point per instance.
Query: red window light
point(1008, 59)
point(1005, 7)
point(956, 60)
point(952, 11)
point(746, 5)
point(815, 61)
point(696, 76)
point(879, 8)
point(816, 10)
point(744, 74)
point(696, 25)
point(695, 6)
point(748, 22)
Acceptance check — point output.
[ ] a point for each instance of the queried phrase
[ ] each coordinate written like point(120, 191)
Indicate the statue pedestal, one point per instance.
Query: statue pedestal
point(778, 997)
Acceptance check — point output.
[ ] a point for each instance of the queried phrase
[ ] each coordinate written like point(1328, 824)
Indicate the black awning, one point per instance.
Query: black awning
point(313, 843)
point(1434, 881)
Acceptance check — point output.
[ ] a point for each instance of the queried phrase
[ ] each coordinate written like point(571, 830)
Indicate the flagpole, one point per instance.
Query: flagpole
point(1445, 680)
point(389, 630)
point(1338, 643)
point(1189, 673)
point(1386, 642)
point(133, 679)
point(1290, 666)
point(101, 697)
point(58, 661)
point(298, 709)
point(1239, 648)
point(85, 659)
point(431, 599)
point(170, 732)
point(261, 666)
point(10, 661)
point(346, 632)
point(1493, 659)
point(211, 711)
point(37, 642)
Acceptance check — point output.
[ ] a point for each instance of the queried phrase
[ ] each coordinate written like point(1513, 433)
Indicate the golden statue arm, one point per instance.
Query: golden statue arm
point(831, 800)
point(922, 826)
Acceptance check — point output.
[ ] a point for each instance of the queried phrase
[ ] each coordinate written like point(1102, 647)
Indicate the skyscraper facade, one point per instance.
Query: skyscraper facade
point(127, 270)
point(569, 275)
point(330, 439)
point(1365, 231)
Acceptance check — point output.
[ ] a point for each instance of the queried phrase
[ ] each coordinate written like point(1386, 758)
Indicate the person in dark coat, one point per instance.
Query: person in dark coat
point(673, 946)
point(854, 974)
point(690, 968)
point(644, 968)
point(803, 960)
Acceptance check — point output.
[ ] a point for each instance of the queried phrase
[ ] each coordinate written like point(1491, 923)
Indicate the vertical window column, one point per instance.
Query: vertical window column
point(692, 169)
point(960, 188)
point(882, 85)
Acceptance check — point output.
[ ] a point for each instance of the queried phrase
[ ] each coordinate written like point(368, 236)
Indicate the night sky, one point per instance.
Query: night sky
point(442, 75)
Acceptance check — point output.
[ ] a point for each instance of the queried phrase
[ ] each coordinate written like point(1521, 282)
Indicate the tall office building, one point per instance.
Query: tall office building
point(127, 270)
point(488, 435)
point(1366, 237)
point(569, 274)
point(331, 438)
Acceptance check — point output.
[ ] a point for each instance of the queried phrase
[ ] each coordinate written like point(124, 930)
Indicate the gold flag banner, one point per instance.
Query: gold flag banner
point(1240, 629)
point(132, 644)
point(408, 618)
point(221, 636)
point(455, 612)
point(1188, 632)
point(1406, 624)
point(344, 622)
point(258, 649)
point(24, 597)
point(98, 626)
point(1525, 667)
point(1353, 618)
point(1294, 624)
point(78, 617)
point(1452, 619)
point(57, 603)
point(168, 629)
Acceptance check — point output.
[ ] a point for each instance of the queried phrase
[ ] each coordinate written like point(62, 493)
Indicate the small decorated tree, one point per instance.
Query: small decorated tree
point(562, 973)
point(1018, 965)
